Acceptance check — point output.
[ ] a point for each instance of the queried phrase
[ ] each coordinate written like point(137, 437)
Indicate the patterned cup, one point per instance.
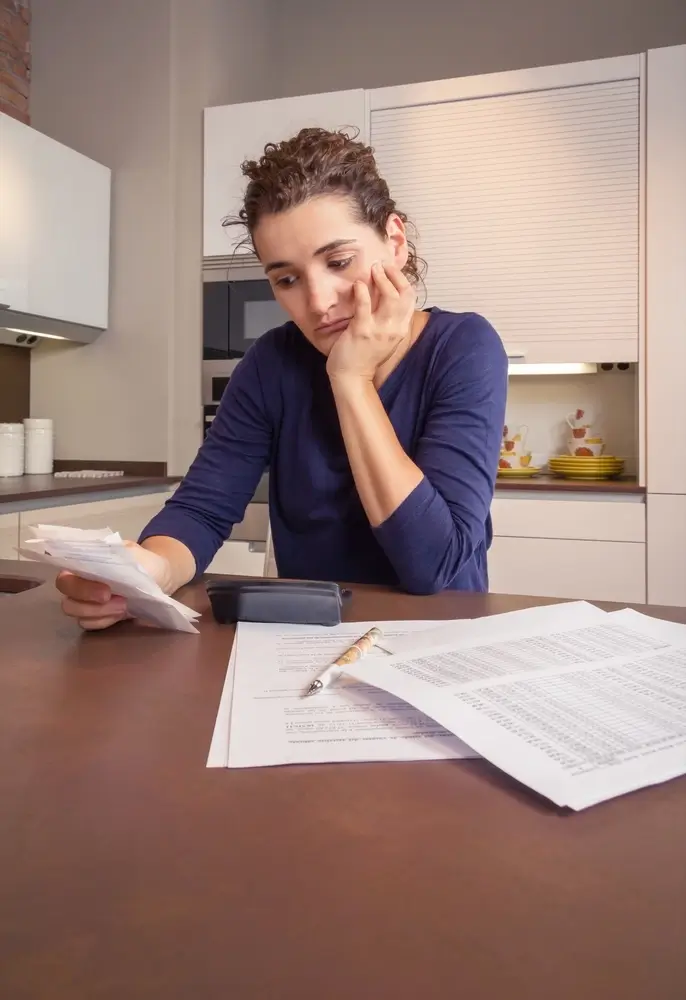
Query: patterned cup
point(586, 447)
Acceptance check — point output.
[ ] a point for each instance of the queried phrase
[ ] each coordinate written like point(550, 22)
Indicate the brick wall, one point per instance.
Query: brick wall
point(15, 58)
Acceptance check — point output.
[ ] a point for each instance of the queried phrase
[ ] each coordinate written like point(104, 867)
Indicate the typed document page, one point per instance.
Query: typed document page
point(579, 710)
point(271, 723)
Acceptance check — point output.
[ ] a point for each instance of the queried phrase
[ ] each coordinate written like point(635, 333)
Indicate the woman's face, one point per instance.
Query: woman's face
point(313, 253)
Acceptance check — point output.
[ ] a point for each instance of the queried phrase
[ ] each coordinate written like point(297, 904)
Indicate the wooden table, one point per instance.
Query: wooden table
point(128, 870)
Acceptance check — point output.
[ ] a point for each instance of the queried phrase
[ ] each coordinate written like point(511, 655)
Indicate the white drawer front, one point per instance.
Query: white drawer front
point(551, 567)
point(236, 559)
point(594, 520)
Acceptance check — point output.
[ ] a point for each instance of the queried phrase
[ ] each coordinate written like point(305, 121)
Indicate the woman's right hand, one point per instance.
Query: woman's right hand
point(93, 604)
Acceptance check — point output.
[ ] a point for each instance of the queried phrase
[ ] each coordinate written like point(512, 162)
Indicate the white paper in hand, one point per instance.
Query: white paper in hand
point(100, 554)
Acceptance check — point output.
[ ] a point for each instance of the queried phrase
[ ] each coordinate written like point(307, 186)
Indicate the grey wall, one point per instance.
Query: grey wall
point(125, 83)
point(326, 45)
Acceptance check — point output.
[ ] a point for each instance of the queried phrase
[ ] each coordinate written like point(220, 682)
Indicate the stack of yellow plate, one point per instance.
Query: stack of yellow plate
point(521, 472)
point(586, 466)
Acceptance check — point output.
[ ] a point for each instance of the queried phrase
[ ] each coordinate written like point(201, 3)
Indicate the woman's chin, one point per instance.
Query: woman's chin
point(325, 341)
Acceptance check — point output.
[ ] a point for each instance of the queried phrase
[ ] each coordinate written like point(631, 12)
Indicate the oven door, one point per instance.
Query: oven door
point(215, 377)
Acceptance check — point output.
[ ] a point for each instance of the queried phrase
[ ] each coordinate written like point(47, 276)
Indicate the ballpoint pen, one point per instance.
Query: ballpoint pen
point(351, 655)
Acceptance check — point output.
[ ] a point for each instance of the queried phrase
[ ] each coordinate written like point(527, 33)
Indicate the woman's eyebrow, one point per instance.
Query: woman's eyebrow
point(327, 248)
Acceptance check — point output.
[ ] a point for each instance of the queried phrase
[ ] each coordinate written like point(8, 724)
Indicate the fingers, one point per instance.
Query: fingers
point(114, 609)
point(363, 302)
point(91, 603)
point(394, 289)
point(76, 587)
point(395, 277)
point(95, 624)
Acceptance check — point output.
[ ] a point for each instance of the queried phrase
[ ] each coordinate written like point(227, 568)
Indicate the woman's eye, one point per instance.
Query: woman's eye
point(285, 282)
point(339, 265)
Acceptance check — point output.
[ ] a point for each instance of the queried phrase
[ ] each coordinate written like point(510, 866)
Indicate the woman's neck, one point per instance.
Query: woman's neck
point(419, 321)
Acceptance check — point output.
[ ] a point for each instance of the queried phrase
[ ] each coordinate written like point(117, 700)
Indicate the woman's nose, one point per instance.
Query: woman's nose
point(322, 296)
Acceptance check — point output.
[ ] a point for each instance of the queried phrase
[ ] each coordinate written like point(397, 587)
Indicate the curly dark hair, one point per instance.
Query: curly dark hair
point(318, 162)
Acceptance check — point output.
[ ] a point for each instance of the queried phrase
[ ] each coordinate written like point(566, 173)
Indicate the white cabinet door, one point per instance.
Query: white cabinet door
point(55, 232)
point(15, 212)
point(666, 270)
point(667, 550)
point(582, 570)
point(236, 132)
point(237, 559)
point(9, 536)
point(526, 198)
point(127, 515)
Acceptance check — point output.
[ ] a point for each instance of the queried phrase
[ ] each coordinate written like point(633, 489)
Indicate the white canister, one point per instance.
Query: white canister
point(11, 449)
point(38, 446)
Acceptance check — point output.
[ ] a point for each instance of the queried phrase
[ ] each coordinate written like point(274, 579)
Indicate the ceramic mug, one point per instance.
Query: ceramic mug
point(586, 448)
point(514, 444)
point(579, 424)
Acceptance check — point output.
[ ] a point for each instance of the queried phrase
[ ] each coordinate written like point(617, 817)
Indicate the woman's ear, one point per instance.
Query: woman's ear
point(396, 236)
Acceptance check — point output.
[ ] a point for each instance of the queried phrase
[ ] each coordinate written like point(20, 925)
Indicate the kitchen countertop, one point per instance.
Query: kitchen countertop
point(15, 489)
point(626, 484)
point(30, 490)
point(131, 870)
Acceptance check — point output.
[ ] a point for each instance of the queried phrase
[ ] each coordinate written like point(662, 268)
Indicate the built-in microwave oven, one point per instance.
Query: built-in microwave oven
point(238, 307)
point(236, 312)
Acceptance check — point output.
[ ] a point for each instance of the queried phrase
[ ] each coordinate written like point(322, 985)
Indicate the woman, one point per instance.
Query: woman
point(380, 423)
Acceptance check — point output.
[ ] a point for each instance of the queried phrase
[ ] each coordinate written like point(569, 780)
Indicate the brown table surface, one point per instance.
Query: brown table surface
point(129, 870)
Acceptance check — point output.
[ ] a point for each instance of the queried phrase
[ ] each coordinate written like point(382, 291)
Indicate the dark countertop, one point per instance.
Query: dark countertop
point(626, 484)
point(32, 488)
point(131, 870)
point(19, 488)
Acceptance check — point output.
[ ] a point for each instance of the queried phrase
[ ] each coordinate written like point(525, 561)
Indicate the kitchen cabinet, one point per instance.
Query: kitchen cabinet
point(239, 559)
point(127, 515)
point(55, 228)
point(9, 536)
point(576, 549)
point(555, 567)
point(667, 550)
point(248, 551)
point(236, 132)
point(665, 369)
point(526, 190)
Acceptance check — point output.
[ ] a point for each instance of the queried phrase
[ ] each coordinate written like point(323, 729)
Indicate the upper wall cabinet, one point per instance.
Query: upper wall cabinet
point(54, 231)
point(526, 191)
point(237, 132)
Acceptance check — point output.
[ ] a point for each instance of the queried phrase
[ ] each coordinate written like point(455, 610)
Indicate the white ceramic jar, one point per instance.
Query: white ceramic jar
point(38, 446)
point(11, 449)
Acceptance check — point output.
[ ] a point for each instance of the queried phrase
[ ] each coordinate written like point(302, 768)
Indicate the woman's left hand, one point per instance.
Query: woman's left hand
point(372, 336)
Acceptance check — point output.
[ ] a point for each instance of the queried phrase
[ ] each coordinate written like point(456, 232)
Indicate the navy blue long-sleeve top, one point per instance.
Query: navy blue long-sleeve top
point(446, 402)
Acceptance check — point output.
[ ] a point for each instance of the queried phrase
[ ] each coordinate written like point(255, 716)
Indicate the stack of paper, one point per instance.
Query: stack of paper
point(577, 707)
point(578, 704)
point(263, 718)
point(101, 555)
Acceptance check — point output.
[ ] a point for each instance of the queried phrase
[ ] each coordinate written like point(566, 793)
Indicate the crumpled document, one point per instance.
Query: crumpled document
point(100, 554)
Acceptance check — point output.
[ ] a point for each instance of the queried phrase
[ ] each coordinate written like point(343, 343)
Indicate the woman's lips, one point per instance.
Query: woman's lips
point(337, 327)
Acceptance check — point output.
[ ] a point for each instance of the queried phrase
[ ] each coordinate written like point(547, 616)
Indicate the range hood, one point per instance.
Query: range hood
point(20, 329)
